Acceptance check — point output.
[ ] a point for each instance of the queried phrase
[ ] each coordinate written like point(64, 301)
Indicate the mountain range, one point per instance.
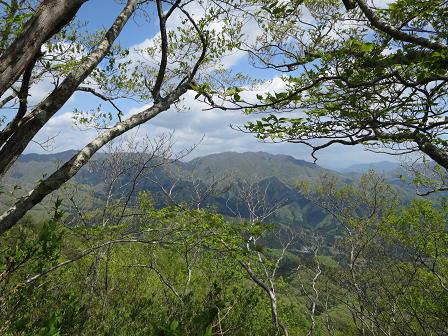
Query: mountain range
point(218, 181)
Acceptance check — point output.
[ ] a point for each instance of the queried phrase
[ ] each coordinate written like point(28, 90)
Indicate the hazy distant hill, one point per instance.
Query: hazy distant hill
point(381, 167)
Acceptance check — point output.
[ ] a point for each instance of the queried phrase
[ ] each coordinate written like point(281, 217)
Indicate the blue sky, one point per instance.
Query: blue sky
point(189, 126)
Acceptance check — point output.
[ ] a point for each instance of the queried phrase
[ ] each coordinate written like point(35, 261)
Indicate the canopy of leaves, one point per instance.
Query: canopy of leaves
point(372, 75)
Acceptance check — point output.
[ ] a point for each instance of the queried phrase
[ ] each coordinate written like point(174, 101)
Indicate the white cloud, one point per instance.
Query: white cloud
point(62, 120)
point(382, 3)
point(196, 122)
point(213, 127)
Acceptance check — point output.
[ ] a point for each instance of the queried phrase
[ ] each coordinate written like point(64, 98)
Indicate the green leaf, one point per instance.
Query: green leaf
point(208, 331)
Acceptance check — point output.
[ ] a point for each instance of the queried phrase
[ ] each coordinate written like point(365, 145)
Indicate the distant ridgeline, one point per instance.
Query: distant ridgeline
point(222, 182)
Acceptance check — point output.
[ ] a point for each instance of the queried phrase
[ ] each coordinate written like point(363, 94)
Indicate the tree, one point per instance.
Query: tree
point(19, 54)
point(392, 264)
point(260, 267)
point(122, 169)
point(42, 45)
point(369, 75)
point(169, 271)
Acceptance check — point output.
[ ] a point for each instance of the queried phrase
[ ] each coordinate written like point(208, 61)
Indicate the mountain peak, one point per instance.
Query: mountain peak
point(253, 166)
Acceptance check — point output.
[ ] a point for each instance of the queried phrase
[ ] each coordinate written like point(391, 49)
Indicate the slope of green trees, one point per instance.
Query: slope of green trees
point(175, 271)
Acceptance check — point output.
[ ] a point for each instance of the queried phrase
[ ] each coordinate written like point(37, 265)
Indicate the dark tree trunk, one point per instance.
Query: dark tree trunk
point(50, 17)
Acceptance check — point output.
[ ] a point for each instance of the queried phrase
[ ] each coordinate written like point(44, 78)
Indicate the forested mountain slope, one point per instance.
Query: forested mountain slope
point(220, 181)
